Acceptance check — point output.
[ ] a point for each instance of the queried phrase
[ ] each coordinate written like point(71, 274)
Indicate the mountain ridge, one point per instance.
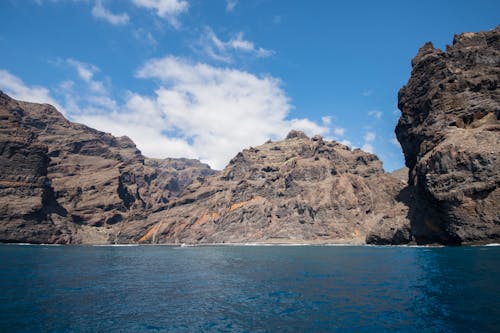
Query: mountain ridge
point(67, 183)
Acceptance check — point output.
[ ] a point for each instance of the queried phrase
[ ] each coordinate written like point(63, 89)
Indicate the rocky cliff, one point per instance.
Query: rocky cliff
point(63, 182)
point(295, 190)
point(450, 133)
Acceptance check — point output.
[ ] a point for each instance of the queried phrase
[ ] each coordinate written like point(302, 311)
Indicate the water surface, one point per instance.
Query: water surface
point(249, 289)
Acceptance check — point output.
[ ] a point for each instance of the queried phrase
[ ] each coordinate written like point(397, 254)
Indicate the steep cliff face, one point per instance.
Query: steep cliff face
point(450, 133)
point(62, 182)
point(67, 183)
point(295, 190)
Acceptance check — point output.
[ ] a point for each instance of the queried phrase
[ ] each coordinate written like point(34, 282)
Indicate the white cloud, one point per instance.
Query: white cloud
point(197, 111)
point(84, 94)
point(368, 147)
point(346, 143)
point(230, 5)
point(203, 111)
point(375, 113)
point(368, 144)
point(339, 131)
point(99, 11)
point(166, 9)
point(224, 51)
point(86, 72)
point(16, 88)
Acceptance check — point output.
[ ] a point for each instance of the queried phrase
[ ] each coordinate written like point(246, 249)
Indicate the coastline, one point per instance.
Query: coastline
point(173, 245)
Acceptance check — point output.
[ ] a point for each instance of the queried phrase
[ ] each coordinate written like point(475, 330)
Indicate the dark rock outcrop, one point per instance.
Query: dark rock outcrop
point(63, 182)
point(296, 190)
point(450, 133)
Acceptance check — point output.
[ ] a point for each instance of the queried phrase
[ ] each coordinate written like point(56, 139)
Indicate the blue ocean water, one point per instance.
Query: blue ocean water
point(249, 289)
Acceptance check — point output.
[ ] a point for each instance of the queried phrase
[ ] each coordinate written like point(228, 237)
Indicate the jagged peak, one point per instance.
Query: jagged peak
point(293, 134)
point(474, 38)
point(424, 52)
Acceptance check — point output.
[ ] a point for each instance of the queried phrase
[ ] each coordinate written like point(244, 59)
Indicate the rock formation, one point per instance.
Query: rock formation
point(63, 182)
point(296, 190)
point(450, 133)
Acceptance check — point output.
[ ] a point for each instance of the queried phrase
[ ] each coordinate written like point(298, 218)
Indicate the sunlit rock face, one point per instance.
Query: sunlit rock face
point(298, 190)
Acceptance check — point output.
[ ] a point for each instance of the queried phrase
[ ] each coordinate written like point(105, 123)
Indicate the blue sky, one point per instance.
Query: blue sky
point(206, 79)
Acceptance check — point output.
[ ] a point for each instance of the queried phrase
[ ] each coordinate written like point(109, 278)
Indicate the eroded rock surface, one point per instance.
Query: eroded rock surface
point(63, 182)
point(295, 190)
point(450, 133)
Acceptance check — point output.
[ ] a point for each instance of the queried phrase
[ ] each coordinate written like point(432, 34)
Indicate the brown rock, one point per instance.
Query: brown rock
point(295, 190)
point(401, 174)
point(450, 133)
point(66, 182)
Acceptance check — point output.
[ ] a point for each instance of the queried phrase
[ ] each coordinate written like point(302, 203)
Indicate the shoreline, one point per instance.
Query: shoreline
point(173, 245)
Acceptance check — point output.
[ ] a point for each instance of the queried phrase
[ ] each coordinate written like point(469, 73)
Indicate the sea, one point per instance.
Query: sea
point(249, 289)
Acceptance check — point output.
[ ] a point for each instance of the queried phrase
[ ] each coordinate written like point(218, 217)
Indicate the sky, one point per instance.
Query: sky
point(207, 78)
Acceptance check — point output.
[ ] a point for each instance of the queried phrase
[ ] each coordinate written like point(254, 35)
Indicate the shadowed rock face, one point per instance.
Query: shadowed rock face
point(450, 133)
point(295, 190)
point(63, 182)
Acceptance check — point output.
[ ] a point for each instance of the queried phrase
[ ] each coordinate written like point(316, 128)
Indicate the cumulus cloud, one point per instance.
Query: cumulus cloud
point(100, 12)
point(225, 51)
point(197, 110)
point(142, 120)
point(166, 9)
point(16, 88)
point(201, 111)
point(230, 5)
